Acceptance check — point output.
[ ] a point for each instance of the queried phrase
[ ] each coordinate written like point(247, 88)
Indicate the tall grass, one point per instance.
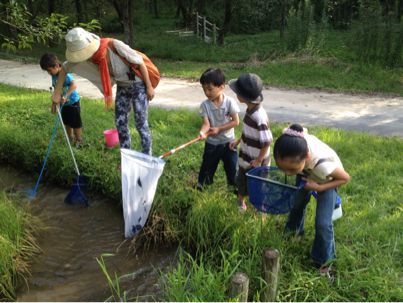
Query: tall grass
point(17, 245)
point(216, 239)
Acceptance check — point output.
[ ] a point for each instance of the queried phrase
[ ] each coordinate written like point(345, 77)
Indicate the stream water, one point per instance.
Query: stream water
point(67, 269)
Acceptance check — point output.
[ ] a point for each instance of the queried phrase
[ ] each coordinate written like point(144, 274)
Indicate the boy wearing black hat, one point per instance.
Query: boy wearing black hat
point(256, 135)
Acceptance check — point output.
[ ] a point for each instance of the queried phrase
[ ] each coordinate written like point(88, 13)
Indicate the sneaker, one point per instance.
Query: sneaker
point(198, 187)
point(337, 211)
point(78, 144)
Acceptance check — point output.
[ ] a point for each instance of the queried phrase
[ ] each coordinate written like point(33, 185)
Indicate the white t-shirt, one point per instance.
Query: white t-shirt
point(322, 162)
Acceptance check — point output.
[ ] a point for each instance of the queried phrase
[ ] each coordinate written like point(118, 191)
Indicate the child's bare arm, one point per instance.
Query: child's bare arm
point(57, 93)
point(205, 127)
point(258, 161)
point(146, 78)
point(339, 175)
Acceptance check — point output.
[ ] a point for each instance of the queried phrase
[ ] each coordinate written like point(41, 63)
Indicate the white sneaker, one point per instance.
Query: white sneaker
point(337, 213)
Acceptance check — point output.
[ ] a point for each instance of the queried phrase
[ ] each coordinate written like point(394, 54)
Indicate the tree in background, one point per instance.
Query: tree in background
point(20, 29)
point(318, 9)
point(378, 37)
point(124, 9)
point(341, 13)
point(225, 28)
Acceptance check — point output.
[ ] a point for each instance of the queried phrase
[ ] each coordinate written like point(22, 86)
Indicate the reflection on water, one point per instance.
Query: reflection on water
point(75, 236)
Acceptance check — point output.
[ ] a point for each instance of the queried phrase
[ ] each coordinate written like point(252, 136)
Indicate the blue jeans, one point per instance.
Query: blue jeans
point(126, 97)
point(323, 248)
point(211, 157)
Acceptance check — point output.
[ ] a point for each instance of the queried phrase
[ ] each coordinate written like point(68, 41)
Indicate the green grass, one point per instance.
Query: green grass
point(326, 63)
point(216, 239)
point(17, 245)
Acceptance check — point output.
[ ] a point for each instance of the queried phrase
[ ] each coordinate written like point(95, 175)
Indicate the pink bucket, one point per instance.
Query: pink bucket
point(111, 138)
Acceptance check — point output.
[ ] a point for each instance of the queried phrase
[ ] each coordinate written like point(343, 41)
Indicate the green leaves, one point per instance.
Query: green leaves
point(25, 29)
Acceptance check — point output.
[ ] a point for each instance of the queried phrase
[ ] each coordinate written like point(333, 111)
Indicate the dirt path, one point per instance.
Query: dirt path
point(381, 115)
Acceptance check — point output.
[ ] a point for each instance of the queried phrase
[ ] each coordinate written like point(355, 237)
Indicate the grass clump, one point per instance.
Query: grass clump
point(17, 245)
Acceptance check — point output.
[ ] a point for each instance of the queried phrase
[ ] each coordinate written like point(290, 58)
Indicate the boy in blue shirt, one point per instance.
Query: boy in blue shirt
point(220, 115)
point(70, 98)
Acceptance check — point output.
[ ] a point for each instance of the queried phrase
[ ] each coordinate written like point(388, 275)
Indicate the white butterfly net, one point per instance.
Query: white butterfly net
point(140, 175)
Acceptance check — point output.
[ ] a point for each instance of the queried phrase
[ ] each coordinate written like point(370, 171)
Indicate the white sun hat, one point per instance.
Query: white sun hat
point(80, 45)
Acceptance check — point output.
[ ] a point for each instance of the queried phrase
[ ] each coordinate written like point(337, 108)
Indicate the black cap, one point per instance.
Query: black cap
point(248, 86)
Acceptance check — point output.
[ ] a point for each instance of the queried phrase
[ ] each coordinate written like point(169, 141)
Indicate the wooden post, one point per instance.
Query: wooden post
point(214, 34)
point(197, 24)
point(239, 287)
point(271, 266)
point(204, 29)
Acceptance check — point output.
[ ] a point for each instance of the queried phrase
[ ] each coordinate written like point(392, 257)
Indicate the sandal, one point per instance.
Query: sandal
point(326, 271)
point(242, 207)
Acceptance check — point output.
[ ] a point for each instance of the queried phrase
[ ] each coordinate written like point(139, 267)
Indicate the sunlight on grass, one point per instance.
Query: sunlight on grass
point(215, 237)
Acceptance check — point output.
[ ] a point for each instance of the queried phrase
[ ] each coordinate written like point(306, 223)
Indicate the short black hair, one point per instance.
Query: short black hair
point(287, 146)
point(49, 60)
point(213, 76)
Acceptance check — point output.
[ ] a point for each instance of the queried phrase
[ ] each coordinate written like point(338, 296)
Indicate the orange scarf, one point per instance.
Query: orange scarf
point(100, 58)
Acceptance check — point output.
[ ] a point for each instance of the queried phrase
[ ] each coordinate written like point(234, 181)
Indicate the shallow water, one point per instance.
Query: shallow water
point(66, 269)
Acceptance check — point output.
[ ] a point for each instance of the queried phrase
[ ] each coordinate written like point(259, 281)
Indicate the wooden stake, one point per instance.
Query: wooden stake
point(240, 287)
point(271, 266)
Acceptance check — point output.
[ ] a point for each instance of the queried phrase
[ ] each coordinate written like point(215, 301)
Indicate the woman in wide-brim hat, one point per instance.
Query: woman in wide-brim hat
point(105, 61)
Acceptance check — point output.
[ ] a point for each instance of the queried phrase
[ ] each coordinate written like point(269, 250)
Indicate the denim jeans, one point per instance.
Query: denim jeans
point(323, 248)
point(211, 157)
point(126, 97)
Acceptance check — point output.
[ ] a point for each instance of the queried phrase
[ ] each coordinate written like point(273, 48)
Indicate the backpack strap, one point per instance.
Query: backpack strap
point(153, 72)
point(320, 161)
point(113, 49)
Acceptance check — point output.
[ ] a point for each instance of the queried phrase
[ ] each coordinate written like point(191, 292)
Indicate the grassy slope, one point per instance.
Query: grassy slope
point(368, 238)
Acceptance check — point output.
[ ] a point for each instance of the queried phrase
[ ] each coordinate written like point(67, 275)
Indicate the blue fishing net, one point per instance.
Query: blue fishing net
point(77, 192)
point(270, 190)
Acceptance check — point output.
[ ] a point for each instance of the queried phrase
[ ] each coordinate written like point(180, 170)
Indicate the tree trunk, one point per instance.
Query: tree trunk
point(284, 9)
point(186, 10)
point(79, 11)
point(131, 26)
point(51, 6)
point(118, 7)
point(155, 8)
point(201, 7)
point(126, 21)
point(318, 7)
point(227, 21)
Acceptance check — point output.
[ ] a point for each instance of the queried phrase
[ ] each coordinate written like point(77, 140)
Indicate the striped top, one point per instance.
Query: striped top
point(255, 136)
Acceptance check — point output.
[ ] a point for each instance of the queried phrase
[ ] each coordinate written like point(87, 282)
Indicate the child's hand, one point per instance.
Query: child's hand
point(202, 135)
point(311, 185)
point(234, 144)
point(63, 100)
point(256, 163)
point(214, 131)
point(56, 98)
